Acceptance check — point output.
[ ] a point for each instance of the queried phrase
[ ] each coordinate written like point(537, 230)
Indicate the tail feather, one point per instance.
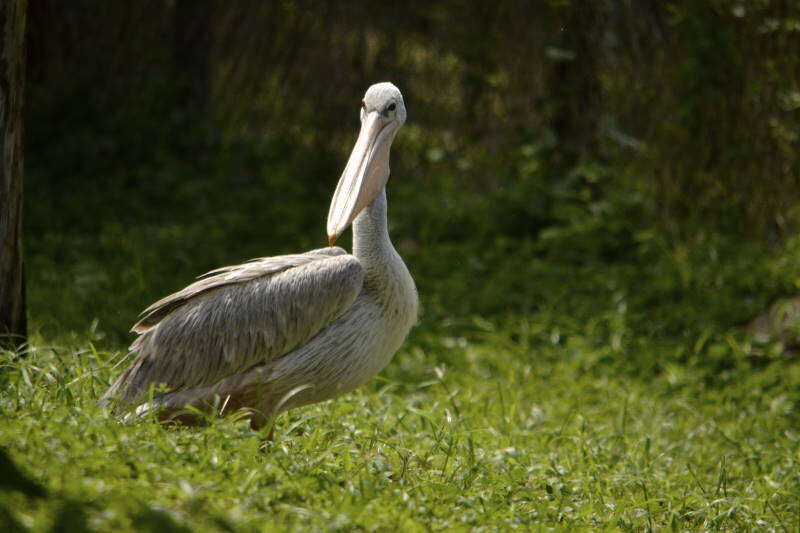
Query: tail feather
point(130, 387)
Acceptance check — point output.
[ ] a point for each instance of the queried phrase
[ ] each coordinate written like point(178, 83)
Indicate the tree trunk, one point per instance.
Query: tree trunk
point(13, 323)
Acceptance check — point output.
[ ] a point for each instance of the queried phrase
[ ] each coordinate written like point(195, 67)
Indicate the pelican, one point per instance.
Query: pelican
point(281, 332)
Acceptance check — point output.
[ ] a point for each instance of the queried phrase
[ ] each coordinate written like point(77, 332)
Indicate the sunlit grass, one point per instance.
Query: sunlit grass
point(575, 370)
point(513, 431)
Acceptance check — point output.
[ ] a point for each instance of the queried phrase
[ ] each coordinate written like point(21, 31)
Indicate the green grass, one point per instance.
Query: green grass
point(479, 426)
point(577, 365)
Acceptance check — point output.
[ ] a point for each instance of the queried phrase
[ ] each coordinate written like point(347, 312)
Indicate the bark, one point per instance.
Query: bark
point(13, 323)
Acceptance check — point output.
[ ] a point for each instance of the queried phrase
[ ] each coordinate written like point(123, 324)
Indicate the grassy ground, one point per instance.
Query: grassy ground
point(481, 426)
point(575, 366)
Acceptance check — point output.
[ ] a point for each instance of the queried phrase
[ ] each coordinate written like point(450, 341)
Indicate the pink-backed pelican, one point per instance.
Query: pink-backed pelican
point(281, 332)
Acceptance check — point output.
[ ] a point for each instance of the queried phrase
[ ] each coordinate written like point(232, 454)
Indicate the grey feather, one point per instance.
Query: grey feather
point(229, 275)
point(241, 316)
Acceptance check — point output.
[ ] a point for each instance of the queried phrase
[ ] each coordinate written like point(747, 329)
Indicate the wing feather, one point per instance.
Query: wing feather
point(237, 317)
point(250, 270)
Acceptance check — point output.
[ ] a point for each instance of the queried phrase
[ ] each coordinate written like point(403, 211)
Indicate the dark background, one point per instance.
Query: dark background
point(631, 163)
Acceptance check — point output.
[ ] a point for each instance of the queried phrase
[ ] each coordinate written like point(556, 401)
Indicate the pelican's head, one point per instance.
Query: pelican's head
point(382, 114)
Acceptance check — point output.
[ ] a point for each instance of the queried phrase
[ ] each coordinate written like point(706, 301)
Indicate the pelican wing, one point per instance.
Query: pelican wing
point(229, 275)
point(237, 317)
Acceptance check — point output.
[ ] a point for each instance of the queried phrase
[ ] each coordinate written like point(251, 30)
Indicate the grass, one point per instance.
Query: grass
point(483, 426)
point(576, 366)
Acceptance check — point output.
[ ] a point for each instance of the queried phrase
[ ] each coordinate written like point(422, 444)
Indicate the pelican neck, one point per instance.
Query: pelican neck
point(371, 242)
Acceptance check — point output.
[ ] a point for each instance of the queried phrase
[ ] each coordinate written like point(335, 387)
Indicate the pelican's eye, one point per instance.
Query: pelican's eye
point(392, 107)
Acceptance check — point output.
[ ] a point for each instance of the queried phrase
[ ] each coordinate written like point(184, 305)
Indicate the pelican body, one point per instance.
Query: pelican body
point(280, 332)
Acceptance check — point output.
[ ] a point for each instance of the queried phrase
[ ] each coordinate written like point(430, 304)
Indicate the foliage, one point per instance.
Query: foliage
point(693, 104)
point(594, 147)
point(593, 200)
